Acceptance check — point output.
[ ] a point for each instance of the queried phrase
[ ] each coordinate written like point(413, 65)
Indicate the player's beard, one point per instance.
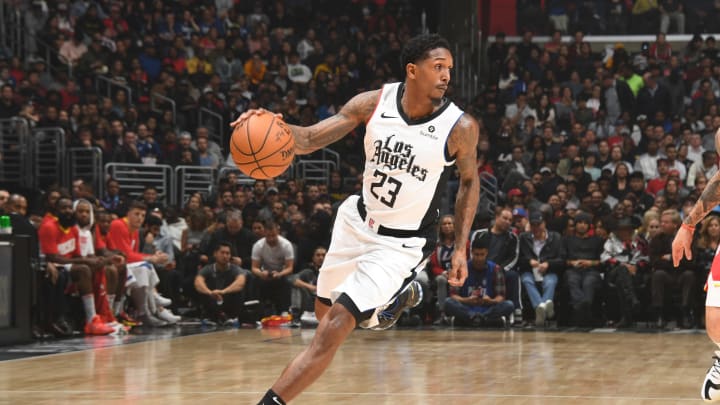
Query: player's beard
point(66, 221)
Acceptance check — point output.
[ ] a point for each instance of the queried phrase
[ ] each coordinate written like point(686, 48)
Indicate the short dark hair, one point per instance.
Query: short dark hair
point(271, 225)
point(223, 244)
point(482, 241)
point(417, 48)
point(152, 220)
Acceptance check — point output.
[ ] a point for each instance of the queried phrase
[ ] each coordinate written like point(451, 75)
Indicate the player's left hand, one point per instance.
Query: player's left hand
point(458, 270)
point(682, 246)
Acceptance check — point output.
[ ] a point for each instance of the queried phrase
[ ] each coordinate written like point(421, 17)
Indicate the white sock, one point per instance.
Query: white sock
point(119, 305)
point(111, 301)
point(89, 304)
point(152, 306)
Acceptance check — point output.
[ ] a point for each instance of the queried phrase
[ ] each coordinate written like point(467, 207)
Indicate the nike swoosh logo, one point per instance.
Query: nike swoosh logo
point(276, 400)
point(386, 116)
point(709, 384)
point(409, 247)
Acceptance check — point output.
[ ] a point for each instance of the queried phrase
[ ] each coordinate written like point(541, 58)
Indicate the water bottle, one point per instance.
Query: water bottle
point(5, 226)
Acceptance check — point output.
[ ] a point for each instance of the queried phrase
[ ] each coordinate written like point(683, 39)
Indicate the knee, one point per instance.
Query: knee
point(80, 272)
point(340, 323)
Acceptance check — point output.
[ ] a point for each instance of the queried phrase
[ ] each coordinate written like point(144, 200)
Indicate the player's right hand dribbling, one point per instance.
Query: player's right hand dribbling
point(247, 114)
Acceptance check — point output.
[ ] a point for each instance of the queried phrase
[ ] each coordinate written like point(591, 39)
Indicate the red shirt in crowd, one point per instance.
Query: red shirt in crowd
point(120, 238)
point(56, 240)
point(655, 185)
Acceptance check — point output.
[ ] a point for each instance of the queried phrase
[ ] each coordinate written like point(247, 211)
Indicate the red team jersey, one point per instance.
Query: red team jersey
point(100, 240)
point(55, 240)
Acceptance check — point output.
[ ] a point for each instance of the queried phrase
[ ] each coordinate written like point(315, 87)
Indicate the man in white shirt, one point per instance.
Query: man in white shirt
point(695, 148)
point(706, 167)
point(273, 259)
point(647, 162)
point(518, 111)
point(297, 71)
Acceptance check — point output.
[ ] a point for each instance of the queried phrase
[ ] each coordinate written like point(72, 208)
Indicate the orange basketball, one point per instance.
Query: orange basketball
point(262, 146)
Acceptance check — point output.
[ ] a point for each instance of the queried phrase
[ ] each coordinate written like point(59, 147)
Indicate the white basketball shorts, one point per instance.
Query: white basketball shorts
point(368, 267)
point(712, 286)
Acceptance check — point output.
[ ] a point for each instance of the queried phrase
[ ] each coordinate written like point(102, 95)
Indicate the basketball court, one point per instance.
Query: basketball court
point(418, 366)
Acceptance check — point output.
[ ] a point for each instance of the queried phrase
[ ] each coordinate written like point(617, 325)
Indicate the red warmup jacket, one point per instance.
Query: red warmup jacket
point(119, 238)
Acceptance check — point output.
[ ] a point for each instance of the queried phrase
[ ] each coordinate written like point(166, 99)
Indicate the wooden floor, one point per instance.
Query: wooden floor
point(392, 367)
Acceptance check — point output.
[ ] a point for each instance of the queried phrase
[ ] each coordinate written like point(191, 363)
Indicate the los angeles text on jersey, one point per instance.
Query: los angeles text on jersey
point(397, 155)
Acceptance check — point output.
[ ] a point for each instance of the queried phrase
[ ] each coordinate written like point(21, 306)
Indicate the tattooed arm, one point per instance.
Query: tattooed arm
point(462, 144)
point(358, 110)
point(710, 198)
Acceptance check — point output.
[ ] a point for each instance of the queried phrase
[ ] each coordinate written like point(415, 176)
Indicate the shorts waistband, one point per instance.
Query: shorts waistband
point(385, 231)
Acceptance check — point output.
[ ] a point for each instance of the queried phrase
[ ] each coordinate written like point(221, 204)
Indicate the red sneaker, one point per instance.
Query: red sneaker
point(97, 327)
point(127, 320)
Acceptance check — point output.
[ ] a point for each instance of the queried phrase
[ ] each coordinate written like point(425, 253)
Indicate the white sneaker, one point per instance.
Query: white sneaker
point(308, 318)
point(540, 315)
point(161, 301)
point(549, 309)
point(168, 316)
point(711, 387)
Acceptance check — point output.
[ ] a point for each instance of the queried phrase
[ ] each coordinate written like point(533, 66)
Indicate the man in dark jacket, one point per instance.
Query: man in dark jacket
point(240, 239)
point(617, 94)
point(625, 257)
point(503, 249)
point(652, 98)
point(541, 259)
point(583, 268)
point(665, 276)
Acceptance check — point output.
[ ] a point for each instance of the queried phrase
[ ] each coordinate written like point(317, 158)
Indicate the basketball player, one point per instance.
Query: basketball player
point(382, 237)
point(123, 236)
point(59, 242)
point(681, 245)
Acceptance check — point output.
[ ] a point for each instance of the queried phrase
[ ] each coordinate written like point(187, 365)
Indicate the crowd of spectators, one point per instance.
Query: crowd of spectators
point(597, 153)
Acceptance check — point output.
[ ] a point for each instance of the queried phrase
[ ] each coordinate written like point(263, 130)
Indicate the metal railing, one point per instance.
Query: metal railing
point(12, 30)
point(242, 178)
point(322, 154)
point(108, 86)
point(15, 160)
point(47, 147)
point(488, 192)
point(193, 179)
point(314, 170)
point(215, 124)
point(159, 106)
point(85, 163)
point(133, 179)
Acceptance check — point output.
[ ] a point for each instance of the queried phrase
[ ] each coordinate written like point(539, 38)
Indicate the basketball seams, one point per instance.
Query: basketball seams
point(279, 148)
point(252, 162)
point(264, 141)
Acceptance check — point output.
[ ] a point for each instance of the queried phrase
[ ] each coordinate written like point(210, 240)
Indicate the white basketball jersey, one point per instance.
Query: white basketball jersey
point(406, 162)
